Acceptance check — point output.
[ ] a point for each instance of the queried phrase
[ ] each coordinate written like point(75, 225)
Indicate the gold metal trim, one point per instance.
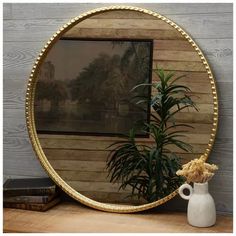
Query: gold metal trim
point(29, 111)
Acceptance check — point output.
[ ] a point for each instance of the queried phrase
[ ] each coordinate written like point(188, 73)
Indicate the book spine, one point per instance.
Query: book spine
point(32, 206)
point(15, 192)
point(24, 206)
point(26, 199)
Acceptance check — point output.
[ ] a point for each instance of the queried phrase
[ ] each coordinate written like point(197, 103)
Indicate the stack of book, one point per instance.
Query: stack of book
point(36, 194)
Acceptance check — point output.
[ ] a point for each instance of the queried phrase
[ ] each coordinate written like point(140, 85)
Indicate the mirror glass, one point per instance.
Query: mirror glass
point(108, 124)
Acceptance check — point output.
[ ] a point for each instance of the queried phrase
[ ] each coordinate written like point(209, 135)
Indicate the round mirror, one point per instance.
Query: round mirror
point(118, 99)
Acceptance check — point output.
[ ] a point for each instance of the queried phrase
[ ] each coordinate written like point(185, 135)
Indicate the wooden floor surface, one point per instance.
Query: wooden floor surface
point(72, 217)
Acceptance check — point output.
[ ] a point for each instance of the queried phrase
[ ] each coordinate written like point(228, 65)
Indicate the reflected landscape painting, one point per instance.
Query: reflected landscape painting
point(89, 91)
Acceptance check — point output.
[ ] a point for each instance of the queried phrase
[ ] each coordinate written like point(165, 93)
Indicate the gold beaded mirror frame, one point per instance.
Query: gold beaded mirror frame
point(76, 162)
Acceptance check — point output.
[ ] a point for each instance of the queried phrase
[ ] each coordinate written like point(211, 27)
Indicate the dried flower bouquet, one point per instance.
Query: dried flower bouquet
point(197, 171)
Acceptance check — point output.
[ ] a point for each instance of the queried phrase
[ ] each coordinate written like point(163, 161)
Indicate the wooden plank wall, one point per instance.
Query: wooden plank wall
point(27, 27)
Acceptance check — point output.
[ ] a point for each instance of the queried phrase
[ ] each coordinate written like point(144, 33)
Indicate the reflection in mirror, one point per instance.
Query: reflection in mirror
point(111, 125)
point(150, 169)
point(92, 95)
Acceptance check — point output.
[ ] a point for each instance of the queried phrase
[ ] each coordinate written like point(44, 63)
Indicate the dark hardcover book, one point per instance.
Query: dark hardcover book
point(32, 206)
point(29, 199)
point(31, 186)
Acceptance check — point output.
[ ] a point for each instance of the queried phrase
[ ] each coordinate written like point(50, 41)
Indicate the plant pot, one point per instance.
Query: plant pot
point(201, 205)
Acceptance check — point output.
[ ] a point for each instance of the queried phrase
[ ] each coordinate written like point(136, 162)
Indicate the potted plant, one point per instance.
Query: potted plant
point(201, 206)
point(150, 170)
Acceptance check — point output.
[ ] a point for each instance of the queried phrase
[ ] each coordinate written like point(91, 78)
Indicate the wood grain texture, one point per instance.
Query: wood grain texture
point(66, 218)
point(209, 26)
point(27, 28)
point(69, 10)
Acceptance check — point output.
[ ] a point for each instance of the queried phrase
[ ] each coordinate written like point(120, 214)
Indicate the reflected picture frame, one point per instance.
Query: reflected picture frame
point(70, 93)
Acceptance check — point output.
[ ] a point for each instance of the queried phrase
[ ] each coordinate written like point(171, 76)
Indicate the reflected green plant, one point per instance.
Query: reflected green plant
point(150, 170)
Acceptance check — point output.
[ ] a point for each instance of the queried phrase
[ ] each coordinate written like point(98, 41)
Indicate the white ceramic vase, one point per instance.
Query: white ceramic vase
point(201, 205)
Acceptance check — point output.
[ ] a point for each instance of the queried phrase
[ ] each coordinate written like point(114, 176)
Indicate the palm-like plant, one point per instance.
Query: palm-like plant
point(150, 170)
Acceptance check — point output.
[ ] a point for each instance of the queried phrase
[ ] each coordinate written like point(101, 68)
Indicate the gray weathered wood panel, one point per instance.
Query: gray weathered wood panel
point(61, 10)
point(34, 30)
point(28, 26)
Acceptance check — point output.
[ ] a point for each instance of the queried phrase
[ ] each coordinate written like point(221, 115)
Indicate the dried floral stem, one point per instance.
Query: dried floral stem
point(197, 171)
